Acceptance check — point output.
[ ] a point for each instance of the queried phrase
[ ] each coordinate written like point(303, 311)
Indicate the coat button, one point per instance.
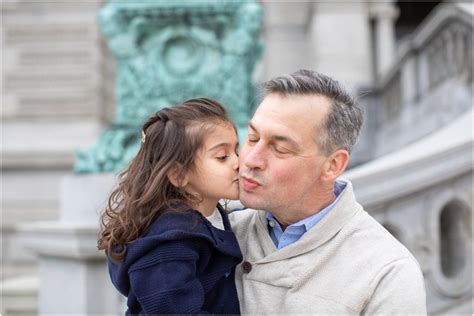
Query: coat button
point(246, 266)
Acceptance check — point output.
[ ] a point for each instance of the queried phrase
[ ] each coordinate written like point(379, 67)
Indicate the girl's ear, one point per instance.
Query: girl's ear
point(176, 177)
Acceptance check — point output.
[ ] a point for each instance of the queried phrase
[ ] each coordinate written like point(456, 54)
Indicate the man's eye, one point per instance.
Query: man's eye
point(281, 150)
point(253, 140)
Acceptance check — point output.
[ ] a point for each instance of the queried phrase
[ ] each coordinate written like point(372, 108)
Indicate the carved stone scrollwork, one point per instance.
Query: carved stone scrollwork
point(392, 98)
point(170, 51)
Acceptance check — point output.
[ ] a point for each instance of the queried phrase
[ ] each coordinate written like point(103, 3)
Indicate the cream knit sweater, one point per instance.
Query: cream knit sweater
point(347, 264)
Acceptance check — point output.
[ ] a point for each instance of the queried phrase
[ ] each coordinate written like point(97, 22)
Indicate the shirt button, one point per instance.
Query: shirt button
point(271, 223)
point(246, 267)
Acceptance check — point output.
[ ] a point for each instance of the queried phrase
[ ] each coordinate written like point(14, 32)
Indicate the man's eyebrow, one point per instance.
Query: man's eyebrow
point(286, 140)
point(252, 127)
point(279, 138)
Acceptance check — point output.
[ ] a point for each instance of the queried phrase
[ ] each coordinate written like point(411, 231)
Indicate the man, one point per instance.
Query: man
point(311, 248)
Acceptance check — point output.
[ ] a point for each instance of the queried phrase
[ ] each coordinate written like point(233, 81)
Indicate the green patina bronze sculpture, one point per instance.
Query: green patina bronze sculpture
point(170, 51)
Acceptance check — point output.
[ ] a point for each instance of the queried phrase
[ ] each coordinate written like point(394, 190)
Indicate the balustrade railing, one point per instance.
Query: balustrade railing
point(440, 49)
point(429, 83)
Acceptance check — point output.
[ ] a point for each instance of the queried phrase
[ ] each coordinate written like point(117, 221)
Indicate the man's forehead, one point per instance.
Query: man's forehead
point(276, 129)
point(287, 109)
point(294, 105)
point(292, 116)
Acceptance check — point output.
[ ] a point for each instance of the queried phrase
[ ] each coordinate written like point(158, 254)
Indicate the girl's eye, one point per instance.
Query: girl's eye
point(252, 140)
point(222, 158)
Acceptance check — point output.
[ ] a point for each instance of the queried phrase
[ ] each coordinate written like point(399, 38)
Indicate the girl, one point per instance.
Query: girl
point(168, 241)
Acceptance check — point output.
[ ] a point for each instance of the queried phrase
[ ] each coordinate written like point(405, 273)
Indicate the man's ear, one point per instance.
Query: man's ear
point(176, 176)
point(335, 164)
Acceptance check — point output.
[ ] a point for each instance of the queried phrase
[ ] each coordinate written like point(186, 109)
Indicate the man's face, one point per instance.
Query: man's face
point(280, 162)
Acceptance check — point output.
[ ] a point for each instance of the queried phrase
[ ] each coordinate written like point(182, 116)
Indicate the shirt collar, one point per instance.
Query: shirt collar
point(310, 221)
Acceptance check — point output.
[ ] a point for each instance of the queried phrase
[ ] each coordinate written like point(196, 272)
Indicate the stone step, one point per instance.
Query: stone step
point(20, 295)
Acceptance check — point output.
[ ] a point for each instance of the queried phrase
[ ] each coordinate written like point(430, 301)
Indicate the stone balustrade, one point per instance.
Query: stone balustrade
point(429, 83)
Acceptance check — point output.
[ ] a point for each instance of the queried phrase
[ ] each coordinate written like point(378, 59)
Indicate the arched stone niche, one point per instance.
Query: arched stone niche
point(451, 265)
point(395, 231)
point(454, 234)
point(419, 247)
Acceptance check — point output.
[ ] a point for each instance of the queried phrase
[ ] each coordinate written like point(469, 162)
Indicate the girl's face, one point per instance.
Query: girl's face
point(216, 172)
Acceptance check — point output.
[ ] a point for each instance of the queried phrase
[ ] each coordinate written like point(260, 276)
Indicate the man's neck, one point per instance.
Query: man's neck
point(288, 217)
point(313, 205)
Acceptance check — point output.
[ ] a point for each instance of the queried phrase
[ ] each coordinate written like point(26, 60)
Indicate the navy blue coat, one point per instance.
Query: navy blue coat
point(182, 265)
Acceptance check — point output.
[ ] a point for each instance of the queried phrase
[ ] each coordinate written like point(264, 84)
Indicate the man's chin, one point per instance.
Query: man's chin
point(250, 200)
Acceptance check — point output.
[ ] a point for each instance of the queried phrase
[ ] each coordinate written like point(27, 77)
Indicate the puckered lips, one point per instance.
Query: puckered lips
point(249, 184)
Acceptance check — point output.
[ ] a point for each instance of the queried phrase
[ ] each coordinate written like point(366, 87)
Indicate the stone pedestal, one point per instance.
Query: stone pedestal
point(72, 272)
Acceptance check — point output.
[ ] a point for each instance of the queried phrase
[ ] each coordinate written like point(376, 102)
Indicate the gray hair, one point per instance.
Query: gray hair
point(342, 125)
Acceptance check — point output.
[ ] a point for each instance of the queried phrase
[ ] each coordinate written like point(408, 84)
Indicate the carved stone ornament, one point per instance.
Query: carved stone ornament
point(170, 51)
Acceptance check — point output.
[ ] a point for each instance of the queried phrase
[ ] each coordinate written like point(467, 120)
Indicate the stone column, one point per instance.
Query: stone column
point(340, 41)
point(385, 14)
point(287, 48)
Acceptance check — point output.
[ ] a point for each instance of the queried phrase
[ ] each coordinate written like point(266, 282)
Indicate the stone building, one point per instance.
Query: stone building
point(410, 63)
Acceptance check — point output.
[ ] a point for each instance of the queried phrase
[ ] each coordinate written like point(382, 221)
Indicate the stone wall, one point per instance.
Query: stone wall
point(57, 94)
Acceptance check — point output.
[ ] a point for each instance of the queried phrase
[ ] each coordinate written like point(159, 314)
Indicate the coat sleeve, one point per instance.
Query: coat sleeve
point(398, 289)
point(165, 281)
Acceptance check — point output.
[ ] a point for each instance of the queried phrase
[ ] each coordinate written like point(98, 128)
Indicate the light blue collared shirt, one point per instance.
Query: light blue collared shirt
point(296, 230)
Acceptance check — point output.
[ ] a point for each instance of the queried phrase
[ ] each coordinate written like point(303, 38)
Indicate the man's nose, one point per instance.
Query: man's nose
point(254, 157)
point(235, 163)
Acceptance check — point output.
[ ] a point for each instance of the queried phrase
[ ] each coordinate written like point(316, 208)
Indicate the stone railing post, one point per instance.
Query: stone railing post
point(385, 14)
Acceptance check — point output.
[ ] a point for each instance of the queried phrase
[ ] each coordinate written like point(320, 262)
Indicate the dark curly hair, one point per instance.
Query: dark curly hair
point(170, 138)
